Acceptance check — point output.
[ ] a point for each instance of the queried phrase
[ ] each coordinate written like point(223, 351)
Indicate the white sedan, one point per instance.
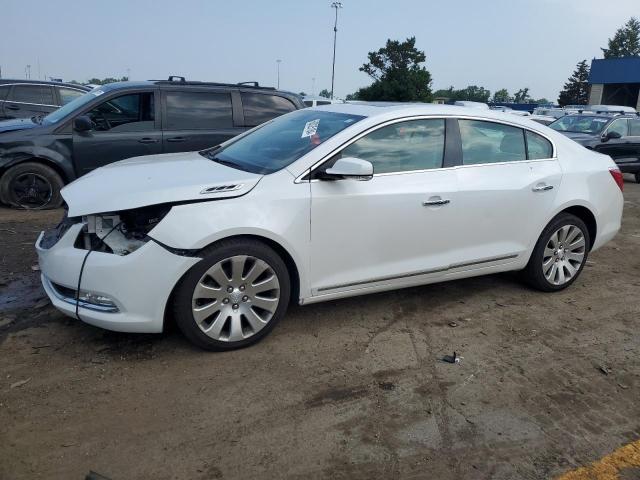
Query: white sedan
point(325, 203)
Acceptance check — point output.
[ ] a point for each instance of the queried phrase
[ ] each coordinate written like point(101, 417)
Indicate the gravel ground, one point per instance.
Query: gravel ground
point(347, 389)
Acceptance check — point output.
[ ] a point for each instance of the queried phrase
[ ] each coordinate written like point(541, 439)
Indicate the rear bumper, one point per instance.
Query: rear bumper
point(139, 284)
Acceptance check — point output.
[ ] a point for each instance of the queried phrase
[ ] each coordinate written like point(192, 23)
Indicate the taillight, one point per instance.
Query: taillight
point(617, 177)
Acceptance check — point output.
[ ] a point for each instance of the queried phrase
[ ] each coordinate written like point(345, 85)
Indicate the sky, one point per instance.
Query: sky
point(496, 44)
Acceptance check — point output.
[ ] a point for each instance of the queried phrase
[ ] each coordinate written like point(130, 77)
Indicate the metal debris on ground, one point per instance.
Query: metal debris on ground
point(452, 358)
point(20, 383)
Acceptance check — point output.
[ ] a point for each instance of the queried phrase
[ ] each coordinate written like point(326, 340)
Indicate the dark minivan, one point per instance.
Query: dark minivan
point(38, 156)
point(28, 98)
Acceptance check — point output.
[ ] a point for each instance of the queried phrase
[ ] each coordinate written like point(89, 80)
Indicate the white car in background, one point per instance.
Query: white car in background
point(320, 204)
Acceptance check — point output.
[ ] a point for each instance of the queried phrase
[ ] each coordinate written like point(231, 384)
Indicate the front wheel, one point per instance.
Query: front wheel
point(31, 185)
point(559, 255)
point(234, 296)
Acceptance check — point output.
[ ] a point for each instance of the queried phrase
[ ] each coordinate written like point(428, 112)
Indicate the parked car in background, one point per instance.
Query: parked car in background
point(615, 135)
point(310, 101)
point(29, 98)
point(325, 203)
point(542, 119)
point(470, 104)
point(38, 156)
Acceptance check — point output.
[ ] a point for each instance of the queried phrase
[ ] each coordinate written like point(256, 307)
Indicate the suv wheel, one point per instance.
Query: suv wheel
point(31, 185)
point(234, 296)
point(559, 255)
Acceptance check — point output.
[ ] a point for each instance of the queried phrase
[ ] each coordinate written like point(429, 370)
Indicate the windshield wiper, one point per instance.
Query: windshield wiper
point(228, 163)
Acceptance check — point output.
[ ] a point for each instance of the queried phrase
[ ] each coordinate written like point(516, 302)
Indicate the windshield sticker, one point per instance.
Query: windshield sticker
point(97, 93)
point(310, 128)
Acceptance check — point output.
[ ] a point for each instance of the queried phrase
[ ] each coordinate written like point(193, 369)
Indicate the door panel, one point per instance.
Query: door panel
point(503, 207)
point(379, 230)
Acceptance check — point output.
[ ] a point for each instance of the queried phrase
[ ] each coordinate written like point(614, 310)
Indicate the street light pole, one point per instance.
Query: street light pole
point(278, 66)
point(335, 5)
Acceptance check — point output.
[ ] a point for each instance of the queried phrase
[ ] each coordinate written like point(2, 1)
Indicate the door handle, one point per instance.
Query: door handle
point(542, 188)
point(431, 203)
point(176, 139)
point(12, 107)
point(147, 140)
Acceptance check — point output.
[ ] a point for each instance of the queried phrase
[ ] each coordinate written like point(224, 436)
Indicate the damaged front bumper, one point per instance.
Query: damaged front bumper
point(126, 293)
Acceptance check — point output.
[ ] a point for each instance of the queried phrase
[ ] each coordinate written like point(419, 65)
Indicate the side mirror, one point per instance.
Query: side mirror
point(82, 123)
point(351, 167)
point(611, 135)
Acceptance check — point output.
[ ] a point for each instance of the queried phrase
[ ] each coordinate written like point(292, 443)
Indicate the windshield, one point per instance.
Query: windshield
point(78, 102)
point(580, 124)
point(282, 141)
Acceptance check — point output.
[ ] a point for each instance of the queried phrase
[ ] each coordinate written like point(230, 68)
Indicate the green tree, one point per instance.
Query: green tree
point(325, 93)
point(352, 96)
point(625, 42)
point(471, 93)
point(104, 81)
point(474, 93)
point(397, 73)
point(501, 96)
point(522, 96)
point(576, 90)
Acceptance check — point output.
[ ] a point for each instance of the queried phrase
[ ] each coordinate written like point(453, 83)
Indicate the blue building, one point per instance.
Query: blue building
point(615, 81)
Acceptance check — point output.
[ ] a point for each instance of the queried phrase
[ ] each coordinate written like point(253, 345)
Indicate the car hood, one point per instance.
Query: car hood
point(155, 179)
point(17, 124)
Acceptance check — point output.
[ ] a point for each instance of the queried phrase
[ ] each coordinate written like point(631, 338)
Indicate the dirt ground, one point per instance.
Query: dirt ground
point(346, 389)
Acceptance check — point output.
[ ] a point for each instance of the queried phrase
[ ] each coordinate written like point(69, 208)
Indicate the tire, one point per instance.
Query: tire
point(31, 185)
point(233, 319)
point(569, 260)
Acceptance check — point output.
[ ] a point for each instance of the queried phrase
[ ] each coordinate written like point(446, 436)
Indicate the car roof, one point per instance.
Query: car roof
point(190, 84)
point(10, 81)
point(399, 109)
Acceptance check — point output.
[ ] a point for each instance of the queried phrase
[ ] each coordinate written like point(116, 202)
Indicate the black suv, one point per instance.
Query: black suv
point(615, 135)
point(126, 119)
point(28, 98)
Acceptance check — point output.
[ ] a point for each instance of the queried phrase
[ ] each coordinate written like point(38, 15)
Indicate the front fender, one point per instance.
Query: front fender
point(58, 157)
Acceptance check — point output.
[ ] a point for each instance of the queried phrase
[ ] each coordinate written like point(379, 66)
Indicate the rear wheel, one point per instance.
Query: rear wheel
point(31, 185)
point(234, 296)
point(559, 255)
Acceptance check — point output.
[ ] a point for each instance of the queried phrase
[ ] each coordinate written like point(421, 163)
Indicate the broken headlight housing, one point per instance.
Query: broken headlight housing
point(121, 232)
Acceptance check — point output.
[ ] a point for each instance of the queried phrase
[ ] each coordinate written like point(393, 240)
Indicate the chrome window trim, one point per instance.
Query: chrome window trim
point(335, 151)
point(29, 103)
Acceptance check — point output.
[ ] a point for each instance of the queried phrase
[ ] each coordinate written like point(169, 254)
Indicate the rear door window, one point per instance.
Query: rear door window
point(38, 94)
point(538, 147)
point(490, 142)
point(259, 107)
point(634, 126)
point(68, 94)
point(198, 110)
point(4, 91)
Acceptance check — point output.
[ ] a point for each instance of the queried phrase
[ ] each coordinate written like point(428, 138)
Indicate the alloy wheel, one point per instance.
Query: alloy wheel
point(235, 298)
point(564, 254)
point(31, 190)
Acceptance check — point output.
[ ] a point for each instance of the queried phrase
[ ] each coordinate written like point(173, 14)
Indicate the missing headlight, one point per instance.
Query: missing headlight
point(120, 232)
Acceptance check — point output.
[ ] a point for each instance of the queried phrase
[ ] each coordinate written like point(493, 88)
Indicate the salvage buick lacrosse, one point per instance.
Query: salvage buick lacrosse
point(324, 203)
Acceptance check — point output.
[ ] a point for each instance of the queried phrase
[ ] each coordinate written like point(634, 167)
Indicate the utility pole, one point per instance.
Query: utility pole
point(335, 5)
point(28, 71)
point(278, 68)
